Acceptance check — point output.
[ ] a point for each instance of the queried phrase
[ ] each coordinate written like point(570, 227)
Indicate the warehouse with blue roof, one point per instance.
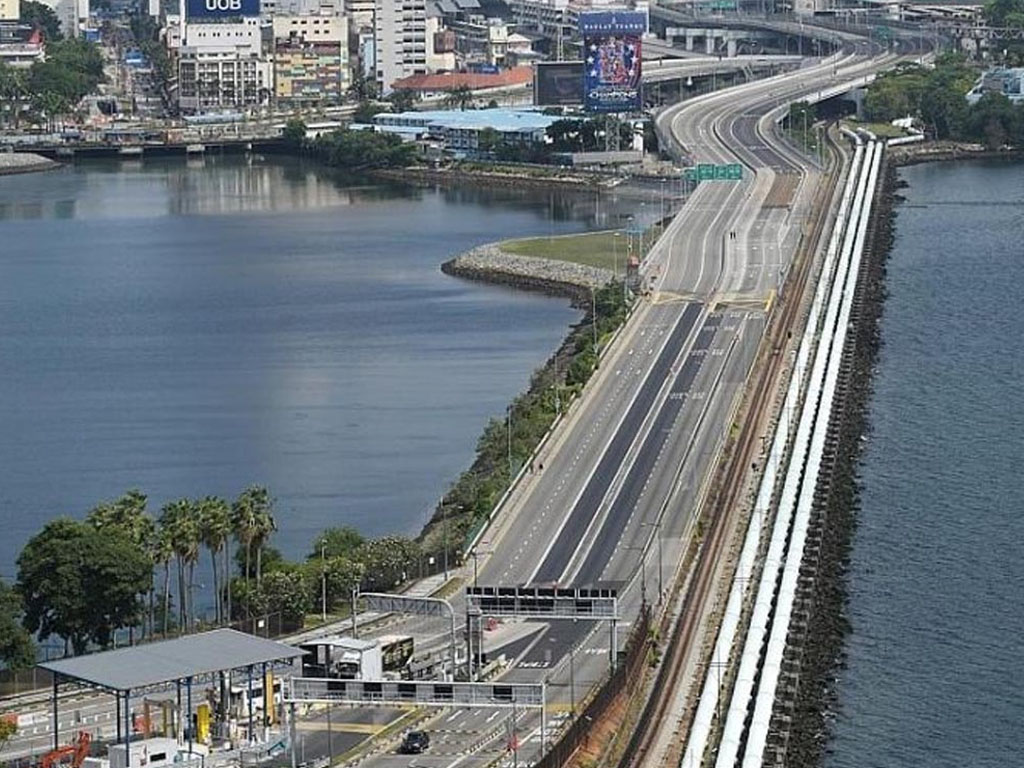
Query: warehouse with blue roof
point(460, 130)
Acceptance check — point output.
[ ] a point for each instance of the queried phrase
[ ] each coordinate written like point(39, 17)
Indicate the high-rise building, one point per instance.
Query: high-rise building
point(400, 40)
point(221, 67)
point(310, 59)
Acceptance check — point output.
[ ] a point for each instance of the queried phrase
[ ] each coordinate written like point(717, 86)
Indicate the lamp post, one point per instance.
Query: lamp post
point(656, 525)
point(643, 573)
point(508, 432)
point(323, 580)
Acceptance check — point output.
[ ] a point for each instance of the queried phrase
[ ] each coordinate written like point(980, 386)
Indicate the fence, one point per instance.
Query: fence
point(624, 680)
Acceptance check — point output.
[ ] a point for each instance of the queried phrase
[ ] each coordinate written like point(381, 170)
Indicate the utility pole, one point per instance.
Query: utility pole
point(508, 431)
point(593, 302)
point(323, 580)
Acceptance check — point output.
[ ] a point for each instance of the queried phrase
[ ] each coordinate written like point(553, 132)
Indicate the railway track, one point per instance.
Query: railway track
point(725, 504)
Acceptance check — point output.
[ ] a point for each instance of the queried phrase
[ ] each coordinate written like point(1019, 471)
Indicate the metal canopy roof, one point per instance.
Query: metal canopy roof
point(141, 666)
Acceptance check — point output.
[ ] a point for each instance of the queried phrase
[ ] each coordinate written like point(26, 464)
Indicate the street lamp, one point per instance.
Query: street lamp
point(643, 572)
point(323, 580)
point(656, 525)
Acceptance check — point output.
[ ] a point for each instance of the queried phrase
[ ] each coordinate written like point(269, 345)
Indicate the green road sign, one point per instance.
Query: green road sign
point(712, 172)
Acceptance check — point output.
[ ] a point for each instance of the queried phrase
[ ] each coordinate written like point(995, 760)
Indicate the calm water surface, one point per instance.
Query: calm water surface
point(935, 671)
point(192, 328)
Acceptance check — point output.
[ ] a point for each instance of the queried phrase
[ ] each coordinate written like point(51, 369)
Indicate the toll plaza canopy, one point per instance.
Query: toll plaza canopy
point(185, 658)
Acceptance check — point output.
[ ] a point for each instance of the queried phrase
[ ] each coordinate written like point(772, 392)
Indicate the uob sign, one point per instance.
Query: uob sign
point(220, 8)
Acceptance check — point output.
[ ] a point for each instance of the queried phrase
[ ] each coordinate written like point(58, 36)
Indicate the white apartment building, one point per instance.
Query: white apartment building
point(551, 18)
point(360, 13)
point(221, 67)
point(241, 34)
point(218, 80)
point(270, 8)
point(400, 40)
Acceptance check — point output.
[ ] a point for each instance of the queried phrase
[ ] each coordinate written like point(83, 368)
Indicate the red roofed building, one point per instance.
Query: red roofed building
point(428, 86)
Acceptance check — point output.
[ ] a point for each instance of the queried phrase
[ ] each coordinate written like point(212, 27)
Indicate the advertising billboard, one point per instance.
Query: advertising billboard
point(221, 9)
point(558, 83)
point(612, 55)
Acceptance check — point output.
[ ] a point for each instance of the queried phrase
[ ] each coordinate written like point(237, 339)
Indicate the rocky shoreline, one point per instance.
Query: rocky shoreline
point(489, 263)
point(462, 176)
point(936, 151)
point(24, 162)
point(822, 660)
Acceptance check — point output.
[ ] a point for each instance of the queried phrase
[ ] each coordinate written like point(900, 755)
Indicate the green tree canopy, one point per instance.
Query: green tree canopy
point(340, 541)
point(388, 562)
point(402, 100)
point(17, 651)
point(294, 131)
point(365, 111)
point(41, 17)
point(82, 584)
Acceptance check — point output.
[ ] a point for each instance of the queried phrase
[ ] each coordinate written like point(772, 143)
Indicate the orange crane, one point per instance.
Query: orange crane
point(77, 752)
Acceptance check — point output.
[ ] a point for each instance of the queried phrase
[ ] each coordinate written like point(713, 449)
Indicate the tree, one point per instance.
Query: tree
point(128, 515)
point(82, 584)
point(180, 519)
point(460, 97)
point(402, 100)
point(294, 132)
point(162, 552)
point(387, 561)
point(365, 111)
point(214, 530)
point(17, 651)
point(341, 574)
point(7, 730)
point(42, 17)
point(363, 88)
point(488, 140)
point(252, 522)
point(286, 592)
point(341, 541)
point(14, 93)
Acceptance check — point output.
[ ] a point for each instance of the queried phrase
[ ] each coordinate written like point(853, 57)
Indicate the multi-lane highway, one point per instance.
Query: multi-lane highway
point(629, 463)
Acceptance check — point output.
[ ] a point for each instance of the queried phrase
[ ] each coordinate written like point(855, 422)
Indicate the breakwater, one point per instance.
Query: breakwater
point(489, 263)
point(518, 178)
point(820, 624)
point(24, 162)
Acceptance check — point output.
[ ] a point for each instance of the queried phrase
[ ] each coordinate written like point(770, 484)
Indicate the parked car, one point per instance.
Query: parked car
point(414, 743)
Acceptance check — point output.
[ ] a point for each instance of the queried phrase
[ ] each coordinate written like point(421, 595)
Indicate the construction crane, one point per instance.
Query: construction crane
point(77, 752)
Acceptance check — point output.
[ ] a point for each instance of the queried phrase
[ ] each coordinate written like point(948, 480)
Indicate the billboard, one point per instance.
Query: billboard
point(558, 83)
point(221, 9)
point(612, 55)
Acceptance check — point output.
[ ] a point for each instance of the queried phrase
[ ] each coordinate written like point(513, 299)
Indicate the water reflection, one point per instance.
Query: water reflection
point(225, 185)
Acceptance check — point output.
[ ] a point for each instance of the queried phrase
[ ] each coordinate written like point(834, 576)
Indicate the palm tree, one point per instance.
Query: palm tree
point(243, 525)
point(215, 528)
point(252, 521)
point(181, 521)
point(162, 552)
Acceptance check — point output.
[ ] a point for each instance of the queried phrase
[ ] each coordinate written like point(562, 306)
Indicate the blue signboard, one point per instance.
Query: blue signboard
point(612, 56)
point(221, 9)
